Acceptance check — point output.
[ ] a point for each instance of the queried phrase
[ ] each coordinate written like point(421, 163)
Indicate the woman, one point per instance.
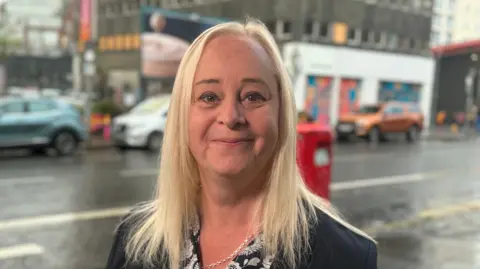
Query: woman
point(229, 191)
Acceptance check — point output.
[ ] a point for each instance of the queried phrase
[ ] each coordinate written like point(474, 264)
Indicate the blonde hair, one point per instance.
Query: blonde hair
point(162, 225)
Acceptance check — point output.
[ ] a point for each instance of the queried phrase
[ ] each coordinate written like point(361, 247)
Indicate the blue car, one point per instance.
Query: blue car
point(39, 124)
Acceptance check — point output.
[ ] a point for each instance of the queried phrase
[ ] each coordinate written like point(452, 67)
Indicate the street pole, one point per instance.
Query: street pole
point(468, 97)
point(89, 60)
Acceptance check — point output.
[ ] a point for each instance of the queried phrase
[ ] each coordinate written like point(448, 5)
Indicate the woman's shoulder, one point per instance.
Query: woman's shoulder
point(339, 245)
point(117, 259)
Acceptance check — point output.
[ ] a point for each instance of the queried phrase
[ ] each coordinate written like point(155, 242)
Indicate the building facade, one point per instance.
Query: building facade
point(467, 20)
point(36, 24)
point(443, 22)
point(455, 21)
point(401, 26)
point(454, 63)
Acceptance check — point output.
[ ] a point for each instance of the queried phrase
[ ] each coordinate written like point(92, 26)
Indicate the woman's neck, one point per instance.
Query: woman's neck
point(231, 202)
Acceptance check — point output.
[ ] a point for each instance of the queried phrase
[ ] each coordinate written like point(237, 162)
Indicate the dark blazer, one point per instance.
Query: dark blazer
point(333, 247)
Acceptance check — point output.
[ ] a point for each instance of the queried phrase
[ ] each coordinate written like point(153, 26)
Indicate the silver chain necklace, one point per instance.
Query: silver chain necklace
point(244, 244)
point(231, 256)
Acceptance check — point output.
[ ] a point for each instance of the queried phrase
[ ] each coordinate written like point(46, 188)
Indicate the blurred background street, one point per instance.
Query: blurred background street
point(393, 88)
point(60, 213)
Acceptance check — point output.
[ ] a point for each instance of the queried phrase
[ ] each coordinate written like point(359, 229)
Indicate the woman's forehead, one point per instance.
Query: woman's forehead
point(227, 51)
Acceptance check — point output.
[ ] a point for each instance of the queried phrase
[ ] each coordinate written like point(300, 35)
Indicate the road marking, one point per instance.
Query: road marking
point(427, 214)
point(139, 173)
point(360, 157)
point(25, 180)
point(19, 251)
point(51, 220)
point(382, 181)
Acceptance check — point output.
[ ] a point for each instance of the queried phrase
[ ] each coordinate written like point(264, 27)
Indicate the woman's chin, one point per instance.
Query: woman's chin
point(230, 169)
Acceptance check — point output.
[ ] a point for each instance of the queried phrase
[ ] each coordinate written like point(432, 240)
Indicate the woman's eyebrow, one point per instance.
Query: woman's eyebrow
point(208, 81)
point(254, 80)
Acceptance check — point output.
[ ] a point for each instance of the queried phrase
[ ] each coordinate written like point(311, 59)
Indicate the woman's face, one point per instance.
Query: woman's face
point(233, 124)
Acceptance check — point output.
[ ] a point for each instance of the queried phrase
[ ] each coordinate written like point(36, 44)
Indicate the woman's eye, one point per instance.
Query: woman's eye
point(255, 97)
point(208, 98)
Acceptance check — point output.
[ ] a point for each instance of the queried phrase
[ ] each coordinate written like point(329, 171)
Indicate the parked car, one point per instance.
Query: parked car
point(375, 122)
point(40, 123)
point(143, 126)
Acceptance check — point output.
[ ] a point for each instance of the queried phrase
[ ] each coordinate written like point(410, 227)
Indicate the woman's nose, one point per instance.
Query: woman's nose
point(231, 114)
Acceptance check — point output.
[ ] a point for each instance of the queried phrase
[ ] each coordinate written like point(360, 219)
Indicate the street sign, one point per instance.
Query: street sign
point(89, 56)
point(89, 69)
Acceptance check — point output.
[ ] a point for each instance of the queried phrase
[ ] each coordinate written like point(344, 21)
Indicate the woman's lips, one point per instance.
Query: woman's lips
point(232, 142)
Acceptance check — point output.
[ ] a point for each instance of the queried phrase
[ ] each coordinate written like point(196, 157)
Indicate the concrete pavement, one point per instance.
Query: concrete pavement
point(61, 212)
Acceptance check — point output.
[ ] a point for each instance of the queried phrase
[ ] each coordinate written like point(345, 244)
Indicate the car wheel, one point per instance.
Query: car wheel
point(374, 135)
point(121, 148)
point(65, 143)
point(154, 141)
point(343, 138)
point(39, 151)
point(412, 134)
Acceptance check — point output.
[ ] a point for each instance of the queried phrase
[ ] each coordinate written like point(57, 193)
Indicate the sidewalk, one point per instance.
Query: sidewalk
point(97, 142)
point(444, 134)
point(445, 237)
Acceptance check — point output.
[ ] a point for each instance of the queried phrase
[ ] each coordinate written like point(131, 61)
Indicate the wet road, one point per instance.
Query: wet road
point(419, 201)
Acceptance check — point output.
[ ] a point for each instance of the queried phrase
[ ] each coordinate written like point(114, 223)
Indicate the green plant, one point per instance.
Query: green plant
point(105, 107)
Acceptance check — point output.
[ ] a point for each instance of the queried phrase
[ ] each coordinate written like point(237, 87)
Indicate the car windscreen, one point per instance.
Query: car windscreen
point(150, 105)
point(368, 110)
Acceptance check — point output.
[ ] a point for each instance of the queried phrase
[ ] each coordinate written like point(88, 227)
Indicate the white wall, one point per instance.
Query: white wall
point(368, 66)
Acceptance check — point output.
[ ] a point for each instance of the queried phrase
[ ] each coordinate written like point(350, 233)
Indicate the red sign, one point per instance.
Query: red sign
point(85, 17)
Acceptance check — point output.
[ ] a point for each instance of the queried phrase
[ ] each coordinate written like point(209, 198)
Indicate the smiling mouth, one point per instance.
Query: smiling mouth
point(233, 142)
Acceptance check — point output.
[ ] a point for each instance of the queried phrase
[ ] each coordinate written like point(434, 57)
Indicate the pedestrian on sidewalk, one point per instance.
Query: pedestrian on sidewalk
point(230, 194)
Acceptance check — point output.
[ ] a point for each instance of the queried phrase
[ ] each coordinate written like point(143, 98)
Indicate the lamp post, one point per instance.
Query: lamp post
point(469, 92)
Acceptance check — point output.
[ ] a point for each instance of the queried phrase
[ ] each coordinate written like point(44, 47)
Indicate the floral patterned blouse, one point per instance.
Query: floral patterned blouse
point(250, 258)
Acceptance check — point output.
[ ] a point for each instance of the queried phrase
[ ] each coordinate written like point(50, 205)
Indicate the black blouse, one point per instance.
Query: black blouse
point(333, 246)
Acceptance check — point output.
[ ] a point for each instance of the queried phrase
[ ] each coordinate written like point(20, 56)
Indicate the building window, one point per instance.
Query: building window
point(284, 29)
point(434, 38)
point(448, 39)
point(436, 20)
point(131, 6)
point(309, 28)
point(365, 36)
point(392, 41)
point(354, 36)
point(324, 31)
point(272, 27)
point(449, 22)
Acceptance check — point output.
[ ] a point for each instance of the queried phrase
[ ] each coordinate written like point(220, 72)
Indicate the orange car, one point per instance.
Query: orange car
point(375, 122)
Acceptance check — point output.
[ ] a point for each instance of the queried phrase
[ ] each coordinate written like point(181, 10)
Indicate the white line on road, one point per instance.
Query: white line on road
point(383, 181)
point(50, 220)
point(19, 251)
point(25, 180)
point(139, 173)
point(360, 157)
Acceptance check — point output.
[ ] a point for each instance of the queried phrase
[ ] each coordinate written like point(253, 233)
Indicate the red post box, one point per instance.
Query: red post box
point(314, 157)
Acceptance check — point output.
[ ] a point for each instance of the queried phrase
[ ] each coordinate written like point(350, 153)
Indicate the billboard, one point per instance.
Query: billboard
point(165, 37)
point(85, 20)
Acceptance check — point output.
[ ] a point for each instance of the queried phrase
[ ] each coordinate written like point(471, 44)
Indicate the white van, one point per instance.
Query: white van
point(143, 125)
